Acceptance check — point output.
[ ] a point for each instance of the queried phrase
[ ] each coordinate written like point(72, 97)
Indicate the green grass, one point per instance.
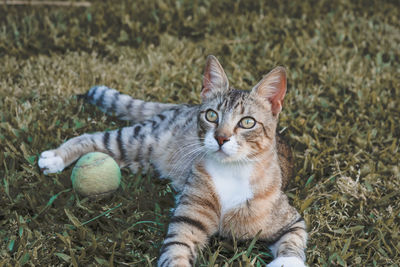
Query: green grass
point(341, 116)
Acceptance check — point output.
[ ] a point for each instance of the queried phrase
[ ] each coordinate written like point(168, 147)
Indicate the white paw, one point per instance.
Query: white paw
point(49, 162)
point(287, 262)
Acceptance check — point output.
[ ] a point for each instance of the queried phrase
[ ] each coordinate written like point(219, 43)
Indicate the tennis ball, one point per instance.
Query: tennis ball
point(95, 174)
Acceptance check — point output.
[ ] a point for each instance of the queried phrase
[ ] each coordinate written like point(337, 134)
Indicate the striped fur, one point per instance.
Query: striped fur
point(123, 106)
point(229, 177)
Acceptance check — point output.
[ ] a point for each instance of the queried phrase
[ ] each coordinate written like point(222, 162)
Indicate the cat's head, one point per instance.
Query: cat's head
point(236, 125)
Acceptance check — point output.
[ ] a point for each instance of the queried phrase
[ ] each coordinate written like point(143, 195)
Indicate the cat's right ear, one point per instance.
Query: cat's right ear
point(214, 79)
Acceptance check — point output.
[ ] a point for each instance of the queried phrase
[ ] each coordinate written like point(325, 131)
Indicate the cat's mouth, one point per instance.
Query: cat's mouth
point(221, 152)
point(221, 155)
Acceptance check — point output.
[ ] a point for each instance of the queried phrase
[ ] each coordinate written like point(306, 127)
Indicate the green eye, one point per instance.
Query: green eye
point(247, 123)
point(211, 115)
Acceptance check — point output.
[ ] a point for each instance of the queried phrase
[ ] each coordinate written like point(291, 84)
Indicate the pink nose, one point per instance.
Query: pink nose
point(221, 140)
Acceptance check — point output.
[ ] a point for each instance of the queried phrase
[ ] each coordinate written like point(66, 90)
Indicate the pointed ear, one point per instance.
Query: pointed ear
point(214, 79)
point(273, 88)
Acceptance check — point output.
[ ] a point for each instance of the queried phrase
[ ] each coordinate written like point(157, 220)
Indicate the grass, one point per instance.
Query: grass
point(341, 116)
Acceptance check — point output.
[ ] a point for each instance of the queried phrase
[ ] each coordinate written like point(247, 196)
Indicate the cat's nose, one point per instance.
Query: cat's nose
point(221, 139)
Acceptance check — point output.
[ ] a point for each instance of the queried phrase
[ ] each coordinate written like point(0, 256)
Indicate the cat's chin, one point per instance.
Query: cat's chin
point(222, 157)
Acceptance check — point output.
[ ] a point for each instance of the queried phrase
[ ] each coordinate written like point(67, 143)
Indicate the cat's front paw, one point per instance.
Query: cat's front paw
point(50, 162)
point(287, 262)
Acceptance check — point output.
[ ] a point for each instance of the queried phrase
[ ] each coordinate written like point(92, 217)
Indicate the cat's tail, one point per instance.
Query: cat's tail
point(123, 106)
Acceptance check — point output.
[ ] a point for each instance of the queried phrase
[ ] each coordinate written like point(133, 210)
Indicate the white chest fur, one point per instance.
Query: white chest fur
point(231, 182)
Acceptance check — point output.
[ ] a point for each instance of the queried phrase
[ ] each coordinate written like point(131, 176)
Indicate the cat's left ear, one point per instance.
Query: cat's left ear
point(273, 88)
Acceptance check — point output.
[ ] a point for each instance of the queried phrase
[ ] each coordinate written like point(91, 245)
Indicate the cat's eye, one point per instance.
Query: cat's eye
point(211, 115)
point(247, 123)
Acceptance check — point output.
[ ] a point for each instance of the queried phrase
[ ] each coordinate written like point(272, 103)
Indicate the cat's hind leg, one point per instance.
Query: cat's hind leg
point(288, 249)
point(55, 160)
point(128, 146)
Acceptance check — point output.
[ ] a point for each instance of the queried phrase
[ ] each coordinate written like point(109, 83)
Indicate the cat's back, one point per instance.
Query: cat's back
point(179, 120)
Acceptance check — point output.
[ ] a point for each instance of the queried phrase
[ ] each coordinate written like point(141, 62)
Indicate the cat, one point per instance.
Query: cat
point(224, 158)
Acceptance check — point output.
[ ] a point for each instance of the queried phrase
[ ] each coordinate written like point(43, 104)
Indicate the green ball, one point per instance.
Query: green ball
point(95, 174)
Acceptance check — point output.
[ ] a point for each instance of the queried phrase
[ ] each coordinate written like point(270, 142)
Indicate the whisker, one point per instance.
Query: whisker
point(187, 160)
point(181, 150)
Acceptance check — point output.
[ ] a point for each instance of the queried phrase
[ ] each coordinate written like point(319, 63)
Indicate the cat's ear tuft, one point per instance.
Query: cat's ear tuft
point(273, 88)
point(214, 79)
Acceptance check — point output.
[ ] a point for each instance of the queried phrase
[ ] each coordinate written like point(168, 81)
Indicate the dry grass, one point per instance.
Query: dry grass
point(341, 116)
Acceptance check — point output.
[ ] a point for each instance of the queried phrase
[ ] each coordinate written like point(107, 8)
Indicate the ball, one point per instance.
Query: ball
point(95, 174)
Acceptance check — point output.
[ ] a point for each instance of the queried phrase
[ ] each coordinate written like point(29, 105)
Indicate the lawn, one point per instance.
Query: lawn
point(341, 116)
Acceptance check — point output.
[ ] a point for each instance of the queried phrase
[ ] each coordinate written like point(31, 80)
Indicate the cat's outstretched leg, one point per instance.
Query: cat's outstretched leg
point(195, 219)
point(128, 146)
point(123, 106)
point(53, 161)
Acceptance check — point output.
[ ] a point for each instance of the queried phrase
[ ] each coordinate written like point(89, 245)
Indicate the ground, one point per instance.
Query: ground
point(341, 116)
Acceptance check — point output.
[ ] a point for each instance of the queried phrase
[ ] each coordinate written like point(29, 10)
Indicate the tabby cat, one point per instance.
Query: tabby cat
point(223, 156)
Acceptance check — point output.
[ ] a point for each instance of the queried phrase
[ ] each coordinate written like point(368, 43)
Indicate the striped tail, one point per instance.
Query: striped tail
point(123, 106)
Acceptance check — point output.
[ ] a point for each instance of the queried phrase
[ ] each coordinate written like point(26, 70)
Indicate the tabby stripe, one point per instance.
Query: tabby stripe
point(202, 127)
point(173, 243)
point(140, 109)
point(224, 103)
point(136, 130)
point(170, 235)
point(188, 122)
point(204, 213)
point(294, 229)
point(161, 116)
point(92, 91)
point(174, 112)
point(233, 99)
point(157, 134)
point(188, 113)
point(300, 234)
point(149, 151)
point(95, 147)
point(114, 102)
point(129, 106)
point(121, 146)
point(288, 229)
point(100, 100)
point(156, 127)
point(265, 131)
point(300, 219)
point(191, 257)
point(144, 154)
point(139, 151)
point(183, 219)
point(201, 202)
point(106, 141)
point(289, 248)
point(166, 261)
point(237, 104)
